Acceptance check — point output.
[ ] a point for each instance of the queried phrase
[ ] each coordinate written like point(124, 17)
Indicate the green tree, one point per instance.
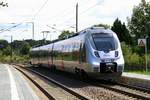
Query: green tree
point(7, 51)
point(127, 50)
point(139, 23)
point(3, 44)
point(65, 34)
point(25, 48)
point(17, 45)
point(102, 25)
point(121, 31)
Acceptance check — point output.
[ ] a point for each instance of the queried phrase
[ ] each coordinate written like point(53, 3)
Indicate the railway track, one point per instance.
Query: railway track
point(77, 95)
point(134, 92)
point(50, 97)
point(129, 91)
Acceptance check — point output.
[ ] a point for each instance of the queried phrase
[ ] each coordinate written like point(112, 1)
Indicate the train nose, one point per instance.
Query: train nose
point(107, 54)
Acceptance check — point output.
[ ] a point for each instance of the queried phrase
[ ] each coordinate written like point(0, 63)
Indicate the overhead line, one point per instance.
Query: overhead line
point(40, 9)
point(7, 29)
point(82, 12)
point(63, 13)
point(88, 8)
point(14, 26)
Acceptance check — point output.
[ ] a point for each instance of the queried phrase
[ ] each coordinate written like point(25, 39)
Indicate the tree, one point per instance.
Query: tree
point(121, 31)
point(3, 4)
point(32, 42)
point(3, 44)
point(65, 34)
point(102, 25)
point(139, 23)
point(7, 51)
point(25, 48)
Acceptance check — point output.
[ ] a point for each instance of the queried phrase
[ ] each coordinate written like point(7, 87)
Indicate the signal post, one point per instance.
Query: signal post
point(143, 43)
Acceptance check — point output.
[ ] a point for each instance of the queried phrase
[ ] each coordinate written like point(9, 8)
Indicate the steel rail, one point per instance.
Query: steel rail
point(104, 86)
point(142, 97)
point(50, 97)
point(71, 91)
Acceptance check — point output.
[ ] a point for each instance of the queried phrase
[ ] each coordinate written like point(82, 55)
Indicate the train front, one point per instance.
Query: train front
point(104, 54)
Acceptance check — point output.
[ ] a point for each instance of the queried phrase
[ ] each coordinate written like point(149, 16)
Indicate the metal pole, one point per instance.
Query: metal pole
point(32, 30)
point(77, 17)
point(43, 38)
point(50, 37)
point(43, 35)
point(146, 54)
point(11, 48)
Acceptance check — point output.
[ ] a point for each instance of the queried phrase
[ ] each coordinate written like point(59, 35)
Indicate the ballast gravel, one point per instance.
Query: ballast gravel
point(98, 93)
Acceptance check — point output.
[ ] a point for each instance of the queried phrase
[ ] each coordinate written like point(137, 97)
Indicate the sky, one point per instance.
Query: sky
point(59, 14)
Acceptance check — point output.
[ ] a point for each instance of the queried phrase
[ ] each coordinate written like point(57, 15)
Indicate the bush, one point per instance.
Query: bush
point(14, 59)
point(133, 61)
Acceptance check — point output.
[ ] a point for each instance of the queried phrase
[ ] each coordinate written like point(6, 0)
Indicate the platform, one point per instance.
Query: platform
point(13, 86)
point(136, 79)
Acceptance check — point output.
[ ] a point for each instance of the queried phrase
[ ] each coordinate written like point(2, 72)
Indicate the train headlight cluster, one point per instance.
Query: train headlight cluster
point(96, 54)
point(116, 53)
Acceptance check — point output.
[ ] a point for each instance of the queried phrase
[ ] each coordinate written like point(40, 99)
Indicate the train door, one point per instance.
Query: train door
point(82, 57)
point(62, 58)
point(49, 57)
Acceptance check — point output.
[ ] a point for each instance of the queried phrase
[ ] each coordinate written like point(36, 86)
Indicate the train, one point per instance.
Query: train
point(94, 52)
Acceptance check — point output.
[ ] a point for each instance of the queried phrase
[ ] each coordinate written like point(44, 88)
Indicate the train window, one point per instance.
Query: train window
point(102, 35)
point(105, 42)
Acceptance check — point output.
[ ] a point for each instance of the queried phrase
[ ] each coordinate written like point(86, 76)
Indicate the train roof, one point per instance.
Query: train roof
point(97, 30)
point(90, 30)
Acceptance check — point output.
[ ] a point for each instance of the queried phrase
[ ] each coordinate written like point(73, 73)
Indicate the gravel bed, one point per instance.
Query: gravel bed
point(93, 92)
point(57, 92)
point(98, 93)
point(131, 90)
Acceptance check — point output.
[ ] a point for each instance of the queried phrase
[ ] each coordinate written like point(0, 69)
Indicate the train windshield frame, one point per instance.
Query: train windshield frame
point(105, 41)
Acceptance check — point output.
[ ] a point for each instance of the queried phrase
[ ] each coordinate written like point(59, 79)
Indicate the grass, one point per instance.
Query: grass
point(140, 72)
point(14, 59)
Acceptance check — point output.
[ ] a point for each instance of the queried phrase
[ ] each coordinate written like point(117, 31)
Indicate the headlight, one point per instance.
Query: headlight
point(96, 54)
point(116, 53)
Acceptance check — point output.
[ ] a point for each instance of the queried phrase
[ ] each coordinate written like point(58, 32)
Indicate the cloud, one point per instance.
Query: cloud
point(62, 13)
point(111, 9)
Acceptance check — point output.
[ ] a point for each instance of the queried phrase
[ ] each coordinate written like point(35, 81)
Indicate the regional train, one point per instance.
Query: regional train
point(95, 51)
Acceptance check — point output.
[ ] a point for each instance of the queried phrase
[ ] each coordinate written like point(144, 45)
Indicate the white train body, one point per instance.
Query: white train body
point(95, 51)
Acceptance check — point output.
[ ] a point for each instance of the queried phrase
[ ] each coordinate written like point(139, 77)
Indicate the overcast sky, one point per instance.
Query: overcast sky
point(59, 14)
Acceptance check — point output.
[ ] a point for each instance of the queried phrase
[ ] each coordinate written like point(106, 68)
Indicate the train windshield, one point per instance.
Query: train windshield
point(105, 42)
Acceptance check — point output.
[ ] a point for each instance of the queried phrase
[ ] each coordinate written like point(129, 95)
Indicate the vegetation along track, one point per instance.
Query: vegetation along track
point(81, 97)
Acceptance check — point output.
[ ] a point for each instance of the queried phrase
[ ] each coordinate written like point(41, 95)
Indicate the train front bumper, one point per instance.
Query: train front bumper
point(105, 76)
